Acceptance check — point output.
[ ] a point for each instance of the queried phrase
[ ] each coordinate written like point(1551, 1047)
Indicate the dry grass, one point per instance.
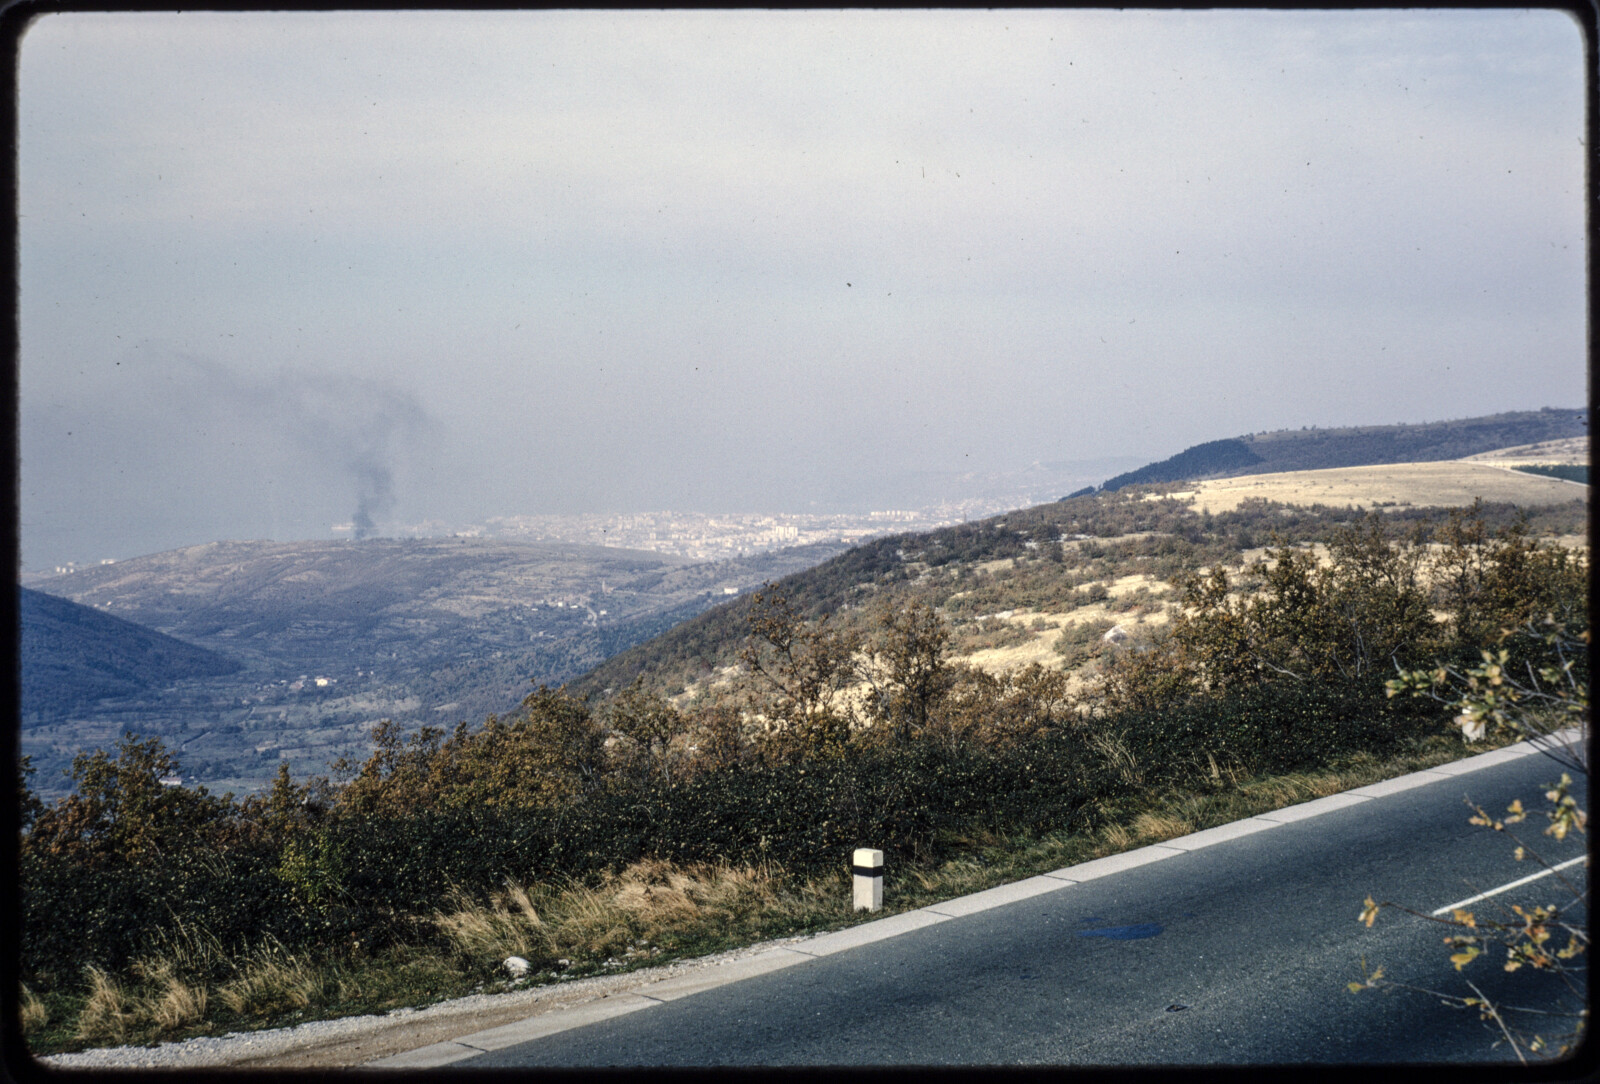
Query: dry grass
point(1148, 828)
point(34, 1013)
point(1449, 484)
point(108, 1014)
point(508, 926)
point(276, 980)
point(625, 918)
point(1045, 629)
point(167, 1000)
point(1116, 752)
point(162, 1000)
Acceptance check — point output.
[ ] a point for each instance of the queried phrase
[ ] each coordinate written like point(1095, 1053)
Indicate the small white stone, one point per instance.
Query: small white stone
point(516, 965)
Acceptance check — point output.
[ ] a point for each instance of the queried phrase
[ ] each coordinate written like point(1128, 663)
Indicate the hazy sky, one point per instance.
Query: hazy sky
point(283, 270)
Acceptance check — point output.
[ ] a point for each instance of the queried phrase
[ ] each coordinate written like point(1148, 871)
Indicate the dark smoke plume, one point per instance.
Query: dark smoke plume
point(375, 496)
point(356, 426)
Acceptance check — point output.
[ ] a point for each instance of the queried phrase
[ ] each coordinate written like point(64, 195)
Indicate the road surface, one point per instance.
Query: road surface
point(1236, 952)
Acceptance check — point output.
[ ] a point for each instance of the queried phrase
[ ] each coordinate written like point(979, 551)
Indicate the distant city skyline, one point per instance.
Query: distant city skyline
point(286, 270)
point(695, 534)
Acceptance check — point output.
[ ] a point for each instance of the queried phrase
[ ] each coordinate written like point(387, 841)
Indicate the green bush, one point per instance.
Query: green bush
point(1278, 727)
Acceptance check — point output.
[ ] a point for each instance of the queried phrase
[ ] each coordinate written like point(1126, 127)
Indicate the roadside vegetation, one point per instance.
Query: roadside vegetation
point(709, 794)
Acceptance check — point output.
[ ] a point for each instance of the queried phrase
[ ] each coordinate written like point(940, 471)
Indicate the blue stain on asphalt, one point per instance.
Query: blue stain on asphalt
point(1124, 933)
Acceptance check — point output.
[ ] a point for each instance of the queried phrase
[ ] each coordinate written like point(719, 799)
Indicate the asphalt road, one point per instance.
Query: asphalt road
point(1238, 953)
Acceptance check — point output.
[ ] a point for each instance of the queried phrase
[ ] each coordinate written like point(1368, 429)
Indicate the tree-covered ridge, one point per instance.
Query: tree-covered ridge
point(1357, 446)
point(1206, 460)
point(72, 655)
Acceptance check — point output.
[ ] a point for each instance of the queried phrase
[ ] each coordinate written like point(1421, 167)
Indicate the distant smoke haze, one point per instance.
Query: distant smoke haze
point(199, 450)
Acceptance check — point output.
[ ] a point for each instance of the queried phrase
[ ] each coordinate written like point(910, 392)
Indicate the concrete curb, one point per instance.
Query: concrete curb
point(664, 990)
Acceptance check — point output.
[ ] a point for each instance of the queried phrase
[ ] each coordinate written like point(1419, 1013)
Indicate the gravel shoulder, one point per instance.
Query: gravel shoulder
point(354, 1040)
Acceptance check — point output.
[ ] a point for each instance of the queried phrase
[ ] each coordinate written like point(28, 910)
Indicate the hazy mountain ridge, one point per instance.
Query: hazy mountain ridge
point(1356, 446)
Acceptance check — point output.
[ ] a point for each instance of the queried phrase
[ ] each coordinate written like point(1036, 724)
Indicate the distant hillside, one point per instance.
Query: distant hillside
point(335, 635)
point(72, 656)
point(1037, 584)
point(1209, 460)
point(1368, 445)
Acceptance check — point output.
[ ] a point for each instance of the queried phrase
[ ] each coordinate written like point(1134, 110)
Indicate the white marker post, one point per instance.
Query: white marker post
point(868, 870)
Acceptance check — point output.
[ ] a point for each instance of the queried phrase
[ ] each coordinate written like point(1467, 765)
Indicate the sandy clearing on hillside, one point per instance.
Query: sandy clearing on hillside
point(1041, 649)
point(1127, 585)
point(1572, 450)
point(999, 660)
point(1448, 484)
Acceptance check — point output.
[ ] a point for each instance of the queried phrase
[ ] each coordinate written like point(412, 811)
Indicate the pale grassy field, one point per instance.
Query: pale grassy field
point(1447, 484)
point(1573, 450)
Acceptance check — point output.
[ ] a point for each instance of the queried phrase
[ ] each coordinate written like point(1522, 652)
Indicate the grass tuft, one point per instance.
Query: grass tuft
point(648, 908)
point(168, 1002)
point(34, 1013)
point(278, 981)
point(107, 1014)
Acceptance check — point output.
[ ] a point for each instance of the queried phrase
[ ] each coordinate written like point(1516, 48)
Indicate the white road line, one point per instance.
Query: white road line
point(1507, 887)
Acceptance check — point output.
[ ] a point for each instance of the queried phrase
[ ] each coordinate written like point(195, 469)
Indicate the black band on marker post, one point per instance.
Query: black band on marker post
point(867, 871)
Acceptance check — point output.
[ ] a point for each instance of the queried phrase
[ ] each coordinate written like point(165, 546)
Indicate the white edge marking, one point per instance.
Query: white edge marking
point(1398, 783)
point(1207, 837)
point(998, 896)
point(1314, 808)
point(1487, 760)
point(720, 975)
point(865, 934)
point(1513, 884)
point(426, 1057)
point(1114, 863)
